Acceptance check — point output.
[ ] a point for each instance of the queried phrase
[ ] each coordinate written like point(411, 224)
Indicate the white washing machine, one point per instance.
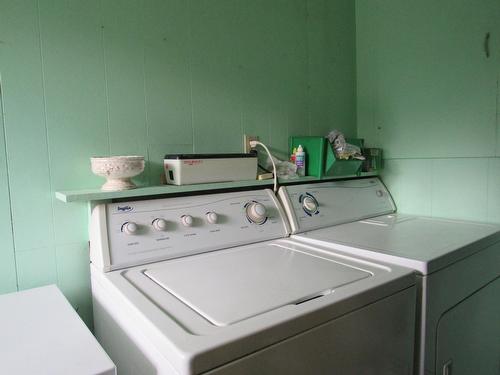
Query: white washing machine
point(458, 266)
point(210, 284)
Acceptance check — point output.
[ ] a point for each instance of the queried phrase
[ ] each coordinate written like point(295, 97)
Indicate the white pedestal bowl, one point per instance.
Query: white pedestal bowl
point(118, 170)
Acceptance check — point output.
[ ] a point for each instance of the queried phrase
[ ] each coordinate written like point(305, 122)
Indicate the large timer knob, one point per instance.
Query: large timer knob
point(187, 220)
point(309, 204)
point(256, 212)
point(159, 224)
point(129, 228)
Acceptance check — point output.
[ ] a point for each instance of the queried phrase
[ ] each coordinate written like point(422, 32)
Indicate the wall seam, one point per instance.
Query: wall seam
point(497, 97)
point(145, 89)
point(106, 84)
point(308, 71)
point(431, 182)
point(47, 138)
point(488, 168)
point(355, 58)
point(146, 117)
point(190, 69)
point(8, 181)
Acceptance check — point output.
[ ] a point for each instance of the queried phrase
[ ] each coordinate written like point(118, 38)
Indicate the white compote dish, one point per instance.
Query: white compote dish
point(118, 171)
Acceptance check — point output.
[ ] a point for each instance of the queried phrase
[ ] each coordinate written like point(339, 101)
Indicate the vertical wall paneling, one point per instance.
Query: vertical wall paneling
point(428, 95)
point(36, 267)
point(25, 124)
point(457, 197)
point(167, 81)
point(148, 77)
point(366, 75)
point(332, 96)
point(433, 83)
point(340, 92)
point(495, 56)
point(123, 49)
point(493, 198)
point(74, 89)
point(254, 53)
point(288, 64)
point(216, 94)
point(74, 277)
point(497, 153)
point(71, 34)
point(410, 183)
point(8, 278)
point(316, 64)
point(293, 28)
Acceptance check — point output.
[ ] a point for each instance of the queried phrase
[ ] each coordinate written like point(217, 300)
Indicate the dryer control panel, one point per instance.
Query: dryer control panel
point(323, 204)
point(137, 232)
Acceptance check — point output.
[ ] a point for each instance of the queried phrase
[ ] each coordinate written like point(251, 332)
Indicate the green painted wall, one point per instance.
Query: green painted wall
point(427, 94)
point(99, 77)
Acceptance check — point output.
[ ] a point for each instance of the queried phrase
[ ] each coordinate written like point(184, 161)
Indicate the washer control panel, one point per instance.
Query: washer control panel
point(138, 232)
point(319, 205)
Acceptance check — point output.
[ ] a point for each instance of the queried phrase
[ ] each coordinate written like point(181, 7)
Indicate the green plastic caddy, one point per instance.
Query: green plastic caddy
point(321, 160)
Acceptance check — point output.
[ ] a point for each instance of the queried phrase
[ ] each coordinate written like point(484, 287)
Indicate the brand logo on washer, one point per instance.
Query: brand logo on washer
point(124, 208)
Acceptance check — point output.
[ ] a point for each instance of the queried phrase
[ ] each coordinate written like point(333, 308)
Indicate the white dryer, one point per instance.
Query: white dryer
point(458, 266)
point(210, 284)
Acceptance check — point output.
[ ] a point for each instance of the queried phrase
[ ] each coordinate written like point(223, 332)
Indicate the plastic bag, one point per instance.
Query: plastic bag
point(284, 169)
point(341, 148)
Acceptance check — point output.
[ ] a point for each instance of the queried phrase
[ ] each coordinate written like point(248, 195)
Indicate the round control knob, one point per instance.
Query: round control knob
point(129, 228)
point(187, 220)
point(212, 217)
point(159, 224)
point(256, 212)
point(309, 204)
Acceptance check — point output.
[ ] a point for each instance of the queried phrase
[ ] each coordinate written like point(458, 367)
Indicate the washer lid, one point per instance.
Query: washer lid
point(227, 287)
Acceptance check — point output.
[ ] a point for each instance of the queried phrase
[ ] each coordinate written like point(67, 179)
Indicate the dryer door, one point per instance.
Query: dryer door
point(468, 337)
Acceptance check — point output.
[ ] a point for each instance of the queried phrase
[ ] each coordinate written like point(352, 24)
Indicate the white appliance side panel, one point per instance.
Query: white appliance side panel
point(377, 339)
point(338, 202)
point(124, 340)
point(449, 286)
point(232, 227)
point(468, 335)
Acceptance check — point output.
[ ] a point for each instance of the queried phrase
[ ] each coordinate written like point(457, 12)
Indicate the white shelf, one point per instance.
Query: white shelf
point(99, 195)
